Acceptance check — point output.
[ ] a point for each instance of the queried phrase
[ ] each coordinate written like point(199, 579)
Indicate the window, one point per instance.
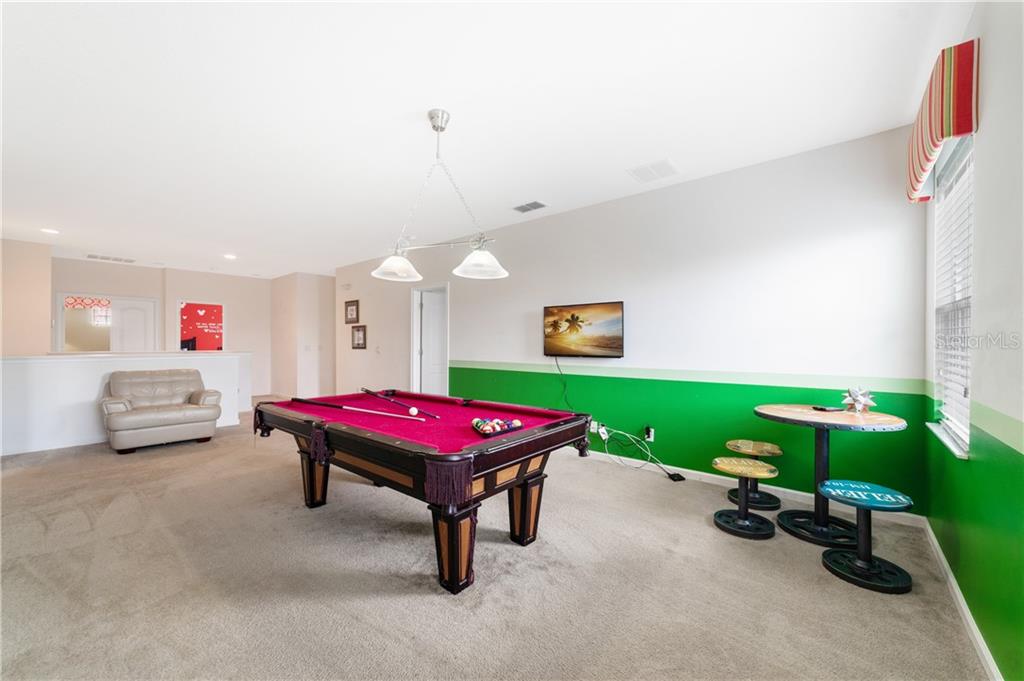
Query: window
point(101, 316)
point(954, 238)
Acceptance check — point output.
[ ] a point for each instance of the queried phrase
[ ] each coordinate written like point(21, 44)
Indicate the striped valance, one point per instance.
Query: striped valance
point(949, 109)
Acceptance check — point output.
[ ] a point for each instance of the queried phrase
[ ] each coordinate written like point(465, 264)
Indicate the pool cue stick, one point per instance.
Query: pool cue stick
point(400, 404)
point(365, 411)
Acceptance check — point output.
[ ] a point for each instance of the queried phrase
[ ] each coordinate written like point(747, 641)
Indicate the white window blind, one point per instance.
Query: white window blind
point(954, 239)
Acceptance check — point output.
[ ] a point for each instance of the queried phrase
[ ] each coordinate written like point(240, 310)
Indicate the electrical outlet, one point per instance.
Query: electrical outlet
point(593, 426)
point(648, 433)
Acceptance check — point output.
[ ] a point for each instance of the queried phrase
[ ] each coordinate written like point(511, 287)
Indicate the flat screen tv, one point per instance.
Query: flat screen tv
point(590, 330)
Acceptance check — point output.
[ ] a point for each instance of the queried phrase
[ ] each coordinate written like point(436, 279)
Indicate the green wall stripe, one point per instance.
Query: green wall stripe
point(976, 511)
point(975, 506)
point(1003, 427)
point(915, 386)
point(694, 419)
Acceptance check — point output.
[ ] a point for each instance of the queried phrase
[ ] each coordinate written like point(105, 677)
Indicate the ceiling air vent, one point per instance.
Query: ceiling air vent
point(110, 258)
point(658, 170)
point(527, 207)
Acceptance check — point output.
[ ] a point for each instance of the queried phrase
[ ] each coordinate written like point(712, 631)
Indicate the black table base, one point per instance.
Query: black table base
point(752, 527)
point(876, 574)
point(834, 533)
point(759, 501)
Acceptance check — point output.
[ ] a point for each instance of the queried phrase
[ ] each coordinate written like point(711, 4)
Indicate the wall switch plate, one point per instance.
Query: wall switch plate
point(593, 426)
point(648, 434)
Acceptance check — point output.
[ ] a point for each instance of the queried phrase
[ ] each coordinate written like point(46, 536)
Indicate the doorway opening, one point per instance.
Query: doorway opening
point(97, 323)
point(429, 365)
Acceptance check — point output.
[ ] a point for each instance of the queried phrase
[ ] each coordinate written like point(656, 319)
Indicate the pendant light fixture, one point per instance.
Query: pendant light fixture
point(479, 264)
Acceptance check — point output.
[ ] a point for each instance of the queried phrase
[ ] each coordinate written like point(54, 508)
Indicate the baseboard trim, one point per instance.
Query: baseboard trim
point(973, 632)
point(781, 492)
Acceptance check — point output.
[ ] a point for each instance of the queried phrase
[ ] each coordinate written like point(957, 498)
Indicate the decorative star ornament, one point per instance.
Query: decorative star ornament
point(858, 400)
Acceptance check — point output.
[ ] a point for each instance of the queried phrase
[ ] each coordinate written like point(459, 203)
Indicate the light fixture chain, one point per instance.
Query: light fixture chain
point(458, 192)
point(415, 205)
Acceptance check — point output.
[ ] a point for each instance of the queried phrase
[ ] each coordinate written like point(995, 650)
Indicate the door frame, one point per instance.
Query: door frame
point(415, 345)
point(57, 335)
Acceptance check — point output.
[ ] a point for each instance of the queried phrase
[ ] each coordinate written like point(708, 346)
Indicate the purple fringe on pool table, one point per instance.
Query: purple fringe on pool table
point(447, 482)
point(318, 446)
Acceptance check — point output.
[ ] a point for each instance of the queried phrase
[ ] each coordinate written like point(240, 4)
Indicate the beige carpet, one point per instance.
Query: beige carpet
point(201, 561)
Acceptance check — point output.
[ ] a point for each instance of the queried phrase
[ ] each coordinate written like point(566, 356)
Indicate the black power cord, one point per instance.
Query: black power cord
point(565, 385)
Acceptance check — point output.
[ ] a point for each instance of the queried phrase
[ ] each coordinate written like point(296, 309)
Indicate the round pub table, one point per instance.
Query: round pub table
point(817, 526)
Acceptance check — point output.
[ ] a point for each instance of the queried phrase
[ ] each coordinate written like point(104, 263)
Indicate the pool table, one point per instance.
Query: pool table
point(443, 461)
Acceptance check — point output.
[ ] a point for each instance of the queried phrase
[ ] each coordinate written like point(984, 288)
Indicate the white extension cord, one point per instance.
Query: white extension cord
point(605, 432)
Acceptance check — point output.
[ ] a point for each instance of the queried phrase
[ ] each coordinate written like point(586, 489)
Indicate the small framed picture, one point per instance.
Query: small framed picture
point(351, 311)
point(359, 337)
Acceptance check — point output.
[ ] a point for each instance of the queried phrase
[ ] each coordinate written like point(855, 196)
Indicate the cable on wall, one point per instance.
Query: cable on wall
point(607, 434)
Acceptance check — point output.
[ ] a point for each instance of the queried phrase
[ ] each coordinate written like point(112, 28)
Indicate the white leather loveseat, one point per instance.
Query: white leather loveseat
point(153, 407)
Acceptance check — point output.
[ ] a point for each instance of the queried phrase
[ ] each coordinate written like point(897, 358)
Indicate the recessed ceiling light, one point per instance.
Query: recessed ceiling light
point(47, 230)
point(230, 256)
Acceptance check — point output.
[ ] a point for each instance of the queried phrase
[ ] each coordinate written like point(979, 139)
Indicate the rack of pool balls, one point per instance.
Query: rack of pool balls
point(491, 427)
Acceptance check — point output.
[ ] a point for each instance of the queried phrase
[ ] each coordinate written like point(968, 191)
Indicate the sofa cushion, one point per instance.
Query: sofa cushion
point(165, 415)
point(151, 388)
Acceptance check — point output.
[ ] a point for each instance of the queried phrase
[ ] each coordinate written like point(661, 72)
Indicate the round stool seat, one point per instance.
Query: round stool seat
point(753, 448)
point(757, 499)
point(744, 468)
point(865, 495)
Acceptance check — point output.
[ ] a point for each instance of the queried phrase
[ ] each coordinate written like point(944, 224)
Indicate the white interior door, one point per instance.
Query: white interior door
point(132, 325)
point(434, 341)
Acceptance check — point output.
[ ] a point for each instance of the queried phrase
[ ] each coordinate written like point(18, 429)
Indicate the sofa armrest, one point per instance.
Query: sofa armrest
point(114, 405)
point(205, 397)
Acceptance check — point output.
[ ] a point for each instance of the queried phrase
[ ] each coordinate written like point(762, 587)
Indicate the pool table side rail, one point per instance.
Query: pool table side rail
point(403, 465)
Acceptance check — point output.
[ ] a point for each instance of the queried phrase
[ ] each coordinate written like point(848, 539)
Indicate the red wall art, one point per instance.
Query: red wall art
point(202, 326)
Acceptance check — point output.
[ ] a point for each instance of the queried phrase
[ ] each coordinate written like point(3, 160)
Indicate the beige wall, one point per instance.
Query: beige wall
point(27, 299)
point(303, 335)
point(247, 319)
point(246, 301)
point(284, 335)
point(101, 278)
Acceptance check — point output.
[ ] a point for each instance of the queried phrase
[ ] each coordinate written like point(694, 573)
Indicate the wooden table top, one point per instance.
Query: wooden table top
point(806, 415)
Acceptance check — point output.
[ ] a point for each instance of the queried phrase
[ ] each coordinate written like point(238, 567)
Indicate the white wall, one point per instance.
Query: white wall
point(997, 297)
point(37, 418)
point(26, 298)
point(811, 264)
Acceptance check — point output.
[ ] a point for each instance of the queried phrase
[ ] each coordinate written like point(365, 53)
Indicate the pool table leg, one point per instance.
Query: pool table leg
point(454, 539)
point(524, 509)
point(314, 480)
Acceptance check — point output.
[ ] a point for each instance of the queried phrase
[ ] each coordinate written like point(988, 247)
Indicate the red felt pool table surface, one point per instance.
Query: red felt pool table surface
point(449, 434)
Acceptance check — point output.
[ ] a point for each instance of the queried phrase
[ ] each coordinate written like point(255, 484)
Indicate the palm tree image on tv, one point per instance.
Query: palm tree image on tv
point(591, 330)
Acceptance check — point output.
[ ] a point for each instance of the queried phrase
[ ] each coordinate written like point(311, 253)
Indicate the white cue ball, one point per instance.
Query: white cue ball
point(413, 411)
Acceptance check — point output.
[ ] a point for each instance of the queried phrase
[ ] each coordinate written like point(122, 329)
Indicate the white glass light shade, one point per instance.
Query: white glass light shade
point(396, 268)
point(480, 264)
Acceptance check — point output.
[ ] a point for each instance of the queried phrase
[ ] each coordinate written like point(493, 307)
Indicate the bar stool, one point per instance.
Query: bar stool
point(756, 499)
point(740, 521)
point(860, 567)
